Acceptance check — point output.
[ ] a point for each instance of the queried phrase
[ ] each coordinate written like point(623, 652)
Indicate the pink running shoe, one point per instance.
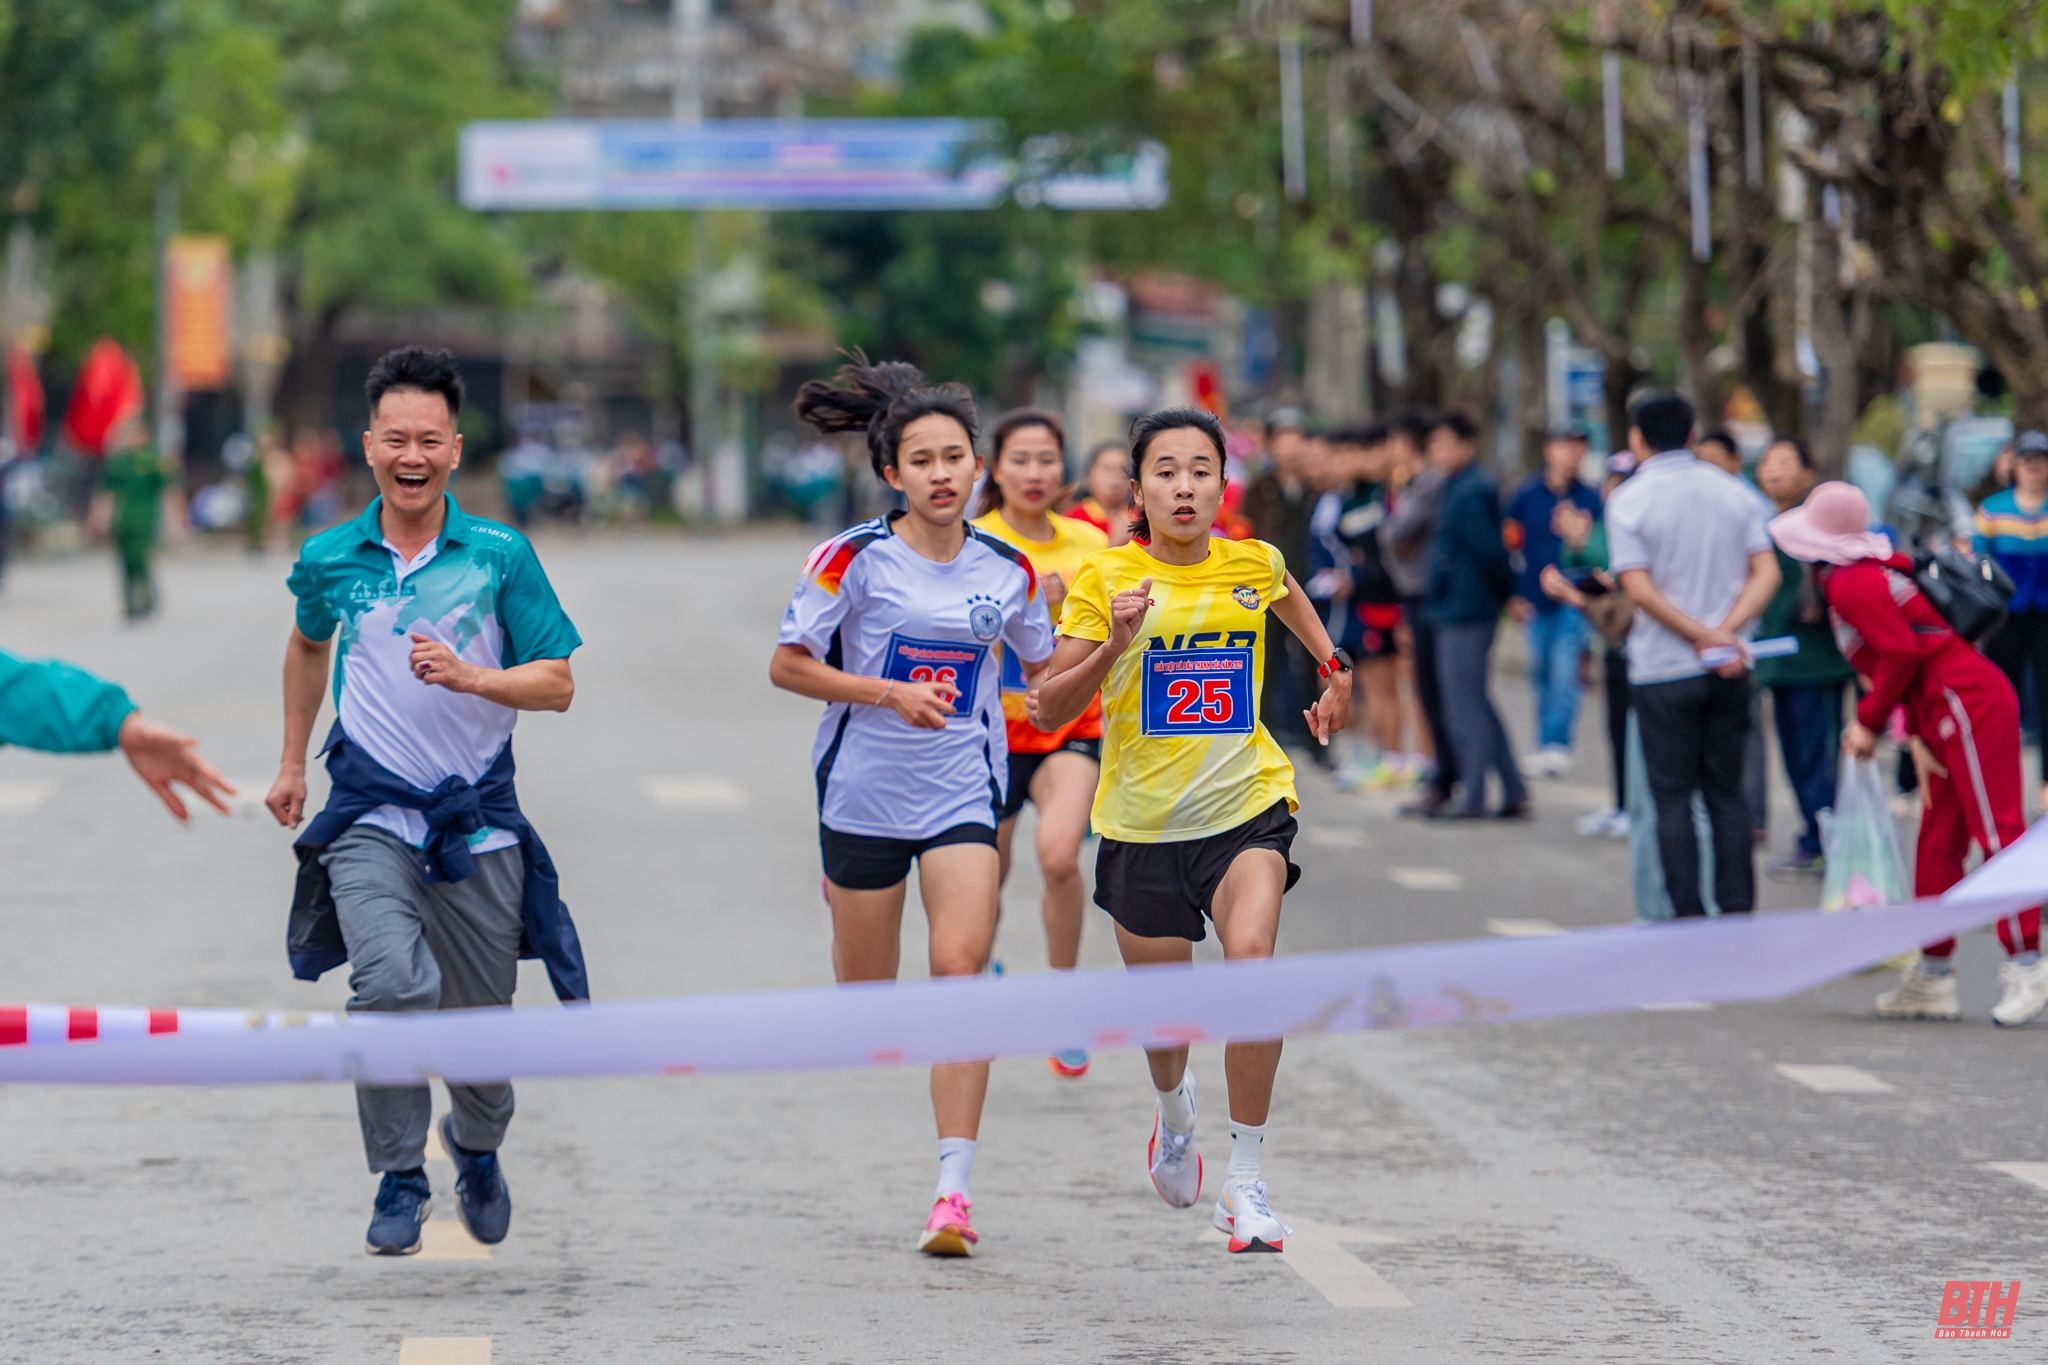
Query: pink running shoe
point(948, 1232)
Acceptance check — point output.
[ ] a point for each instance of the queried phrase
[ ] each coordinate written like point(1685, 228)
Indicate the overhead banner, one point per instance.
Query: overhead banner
point(199, 272)
point(1593, 971)
point(785, 164)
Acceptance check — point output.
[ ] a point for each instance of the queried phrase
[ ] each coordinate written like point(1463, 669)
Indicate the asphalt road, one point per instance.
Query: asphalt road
point(1641, 1188)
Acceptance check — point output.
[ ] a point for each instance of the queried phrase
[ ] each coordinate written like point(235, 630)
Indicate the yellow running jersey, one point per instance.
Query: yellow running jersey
point(1072, 541)
point(1183, 753)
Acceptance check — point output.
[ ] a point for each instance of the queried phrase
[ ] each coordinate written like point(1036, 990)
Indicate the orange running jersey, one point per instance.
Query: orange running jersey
point(1072, 541)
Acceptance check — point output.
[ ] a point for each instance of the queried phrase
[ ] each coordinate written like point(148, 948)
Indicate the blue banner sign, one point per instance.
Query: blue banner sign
point(782, 164)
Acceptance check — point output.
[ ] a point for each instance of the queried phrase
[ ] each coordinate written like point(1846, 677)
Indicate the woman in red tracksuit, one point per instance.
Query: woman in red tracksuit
point(1965, 722)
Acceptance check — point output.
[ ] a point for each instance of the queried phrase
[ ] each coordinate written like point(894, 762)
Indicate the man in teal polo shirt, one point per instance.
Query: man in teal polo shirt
point(448, 629)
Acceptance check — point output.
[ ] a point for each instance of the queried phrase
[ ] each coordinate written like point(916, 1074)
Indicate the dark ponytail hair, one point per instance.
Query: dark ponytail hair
point(881, 400)
point(1008, 425)
point(1155, 424)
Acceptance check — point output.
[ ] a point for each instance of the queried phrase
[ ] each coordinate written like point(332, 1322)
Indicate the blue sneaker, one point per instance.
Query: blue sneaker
point(481, 1199)
point(402, 1204)
point(1072, 1064)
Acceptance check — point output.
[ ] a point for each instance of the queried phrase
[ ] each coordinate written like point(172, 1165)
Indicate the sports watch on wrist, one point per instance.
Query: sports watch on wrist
point(1340, 662)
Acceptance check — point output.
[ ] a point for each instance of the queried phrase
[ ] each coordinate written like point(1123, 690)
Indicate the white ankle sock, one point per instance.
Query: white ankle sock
point(1245, 1142)
point(1177, 1106)
point(956, 1166)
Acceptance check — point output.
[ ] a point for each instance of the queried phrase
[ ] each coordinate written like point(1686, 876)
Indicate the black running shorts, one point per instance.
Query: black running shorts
point(868, 862)
point(1024, 767)
point(1165, 890)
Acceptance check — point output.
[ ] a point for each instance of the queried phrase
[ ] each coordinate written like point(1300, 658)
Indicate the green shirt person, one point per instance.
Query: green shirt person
point(133, 478)
point(1806, 688)
point(60, 708)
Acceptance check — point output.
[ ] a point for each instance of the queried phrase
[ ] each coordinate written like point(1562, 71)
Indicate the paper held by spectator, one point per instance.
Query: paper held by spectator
point(1777, 647)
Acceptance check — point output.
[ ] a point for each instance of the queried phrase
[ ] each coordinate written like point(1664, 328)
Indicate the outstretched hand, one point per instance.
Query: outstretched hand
point(161, 756)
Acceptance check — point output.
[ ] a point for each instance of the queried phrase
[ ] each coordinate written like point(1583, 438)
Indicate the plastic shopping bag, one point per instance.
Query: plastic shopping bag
point(1860, 841)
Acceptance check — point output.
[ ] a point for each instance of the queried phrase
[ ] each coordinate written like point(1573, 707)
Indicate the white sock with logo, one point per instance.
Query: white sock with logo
point(956, 1166)
point(1245, 1144)
point(1177, 1106)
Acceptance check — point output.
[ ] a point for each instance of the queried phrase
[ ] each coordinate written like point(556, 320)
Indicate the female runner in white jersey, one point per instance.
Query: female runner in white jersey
point(894, 625)
point(1195, 805)
point(1054, 771)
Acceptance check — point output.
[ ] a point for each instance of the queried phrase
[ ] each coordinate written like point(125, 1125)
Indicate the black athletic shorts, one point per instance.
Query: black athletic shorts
point(869, 862)
point(1024, 767)
point(1164, 890)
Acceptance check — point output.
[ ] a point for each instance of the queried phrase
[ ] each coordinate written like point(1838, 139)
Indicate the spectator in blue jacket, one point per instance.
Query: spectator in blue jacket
point(1470, 580)
point(2012, 527)
point(1557, 633)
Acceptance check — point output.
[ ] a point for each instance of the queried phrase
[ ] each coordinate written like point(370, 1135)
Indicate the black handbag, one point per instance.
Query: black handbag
point(1970, 591)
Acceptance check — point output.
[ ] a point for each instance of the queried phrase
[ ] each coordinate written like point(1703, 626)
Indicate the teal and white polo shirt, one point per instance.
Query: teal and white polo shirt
point(480, 590)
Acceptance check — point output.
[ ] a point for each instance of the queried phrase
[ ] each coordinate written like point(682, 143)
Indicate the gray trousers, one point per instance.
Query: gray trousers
point(1477, 736)
point(411, 946)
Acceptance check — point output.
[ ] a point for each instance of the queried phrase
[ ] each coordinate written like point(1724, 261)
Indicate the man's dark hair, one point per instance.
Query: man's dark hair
point(1458, 421)
point(1154, 424)
point(1364, 436)
point(1415, 424)
point(1799, 448)
point(1664, 418)
point(881, 400)
point(1723, 440)
point(418, 369)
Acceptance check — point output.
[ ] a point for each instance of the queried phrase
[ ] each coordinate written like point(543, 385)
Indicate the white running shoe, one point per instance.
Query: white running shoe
point(1171, 1157)
point(1918, 996)
point(1593, 824)
point(2025, 995)
point(1244, 1213)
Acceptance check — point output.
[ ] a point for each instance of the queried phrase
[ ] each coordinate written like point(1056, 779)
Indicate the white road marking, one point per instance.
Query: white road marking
point(1522, 928)
point(435, 1151)
point(1322, 836)
point(25, 796)
point(2035, 1173)
point(1313, 1252)
point(444, 1239)
point(444, 1351)
point(1835, 1080)
point(694, 793)
point(1680, 1005)
point(1426, 878)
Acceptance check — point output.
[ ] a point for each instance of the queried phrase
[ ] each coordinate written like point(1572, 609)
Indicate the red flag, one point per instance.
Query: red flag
point(108, 393)
point(26, 392)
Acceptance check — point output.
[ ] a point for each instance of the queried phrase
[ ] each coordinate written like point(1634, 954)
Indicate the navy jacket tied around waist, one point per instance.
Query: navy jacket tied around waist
point(454, 810)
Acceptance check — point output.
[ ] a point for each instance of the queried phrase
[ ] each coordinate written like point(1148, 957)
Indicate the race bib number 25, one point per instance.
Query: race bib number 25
point(946, 662)
point(1196, 692)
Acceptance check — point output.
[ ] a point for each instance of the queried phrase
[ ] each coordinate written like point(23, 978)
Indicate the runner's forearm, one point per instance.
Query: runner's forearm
point(537, 685)
point(795, 669)
point(305, 677)
point(1077, 672)
point(1298, 614)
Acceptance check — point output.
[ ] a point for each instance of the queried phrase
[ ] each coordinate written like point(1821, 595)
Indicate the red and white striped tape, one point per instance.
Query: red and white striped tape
point(34, 1025)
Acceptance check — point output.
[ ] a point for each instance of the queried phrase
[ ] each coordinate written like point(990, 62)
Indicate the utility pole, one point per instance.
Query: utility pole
point(692, 18)
point(170, 400)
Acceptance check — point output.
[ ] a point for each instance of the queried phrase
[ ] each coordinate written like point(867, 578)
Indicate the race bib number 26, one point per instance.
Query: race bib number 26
point(946, 662)
point(1196, 692)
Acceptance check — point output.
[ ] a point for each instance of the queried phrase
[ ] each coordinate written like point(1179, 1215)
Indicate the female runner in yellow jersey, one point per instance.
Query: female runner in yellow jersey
point(1195, 805)
point(1055, 771)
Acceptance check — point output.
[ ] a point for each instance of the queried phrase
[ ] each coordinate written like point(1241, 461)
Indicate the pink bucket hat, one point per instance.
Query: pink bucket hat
point(1830, 527)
